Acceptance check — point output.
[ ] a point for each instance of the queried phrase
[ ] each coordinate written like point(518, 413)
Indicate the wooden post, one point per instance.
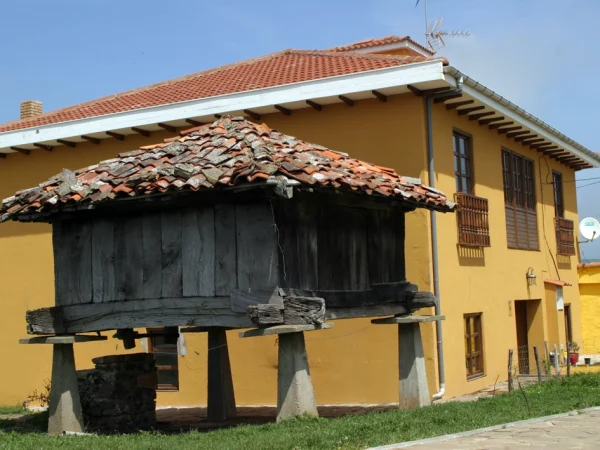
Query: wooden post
point(510, 366)
point(295, 393)
point(547, 351)
point(221, 398)
point(413, 389)
point(64, 414)
point(537, 364)
point(568, 361)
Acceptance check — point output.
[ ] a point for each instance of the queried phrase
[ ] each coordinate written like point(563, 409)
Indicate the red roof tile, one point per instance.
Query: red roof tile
point(369, 43)
point(289, 66)
point(231, 151)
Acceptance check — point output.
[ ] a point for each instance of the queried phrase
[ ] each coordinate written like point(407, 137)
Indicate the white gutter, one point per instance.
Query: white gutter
point(508, 109)
point(279, 95)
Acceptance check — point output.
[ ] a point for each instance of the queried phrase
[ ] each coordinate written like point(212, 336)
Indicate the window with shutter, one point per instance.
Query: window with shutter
point(519, 200)
point(473, 345)
point(462, 162)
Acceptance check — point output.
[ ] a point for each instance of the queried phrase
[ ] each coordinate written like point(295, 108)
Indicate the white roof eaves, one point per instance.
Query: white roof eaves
point(535, 123)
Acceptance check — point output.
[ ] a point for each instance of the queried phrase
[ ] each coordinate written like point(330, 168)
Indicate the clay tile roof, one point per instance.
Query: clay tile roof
point(369, 43)
point(228, 152)
point(286, 67)
point(558, 282)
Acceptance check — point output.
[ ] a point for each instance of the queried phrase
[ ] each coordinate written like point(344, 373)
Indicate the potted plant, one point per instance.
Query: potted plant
point(573, 353)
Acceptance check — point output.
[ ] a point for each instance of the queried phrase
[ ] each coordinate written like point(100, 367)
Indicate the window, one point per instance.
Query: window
point(519, 200)
point(473, 345)
point(164, 347)
point(462, 162)
point(559, 205)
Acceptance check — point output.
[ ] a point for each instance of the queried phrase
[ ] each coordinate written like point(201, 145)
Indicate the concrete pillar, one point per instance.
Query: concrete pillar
point(413, 388)
point(295, 394)
point(65, 406)
point(221, 399)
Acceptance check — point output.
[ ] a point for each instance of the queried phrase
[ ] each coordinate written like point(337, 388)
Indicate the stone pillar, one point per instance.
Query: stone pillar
point(65, 407)
point(295, 394)
point(413, 389)
point(221, 398)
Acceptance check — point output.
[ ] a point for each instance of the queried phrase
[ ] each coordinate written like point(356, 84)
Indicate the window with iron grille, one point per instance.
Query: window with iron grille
point(164, 347)
point(472, 220)
point(473, 345)
point(519, 201)
point(462, 162)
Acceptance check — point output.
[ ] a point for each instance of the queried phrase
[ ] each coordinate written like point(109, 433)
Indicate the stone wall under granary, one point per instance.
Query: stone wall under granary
point(119, 395)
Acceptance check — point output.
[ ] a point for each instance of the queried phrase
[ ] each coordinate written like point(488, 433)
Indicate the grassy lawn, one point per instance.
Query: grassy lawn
point(350, 432)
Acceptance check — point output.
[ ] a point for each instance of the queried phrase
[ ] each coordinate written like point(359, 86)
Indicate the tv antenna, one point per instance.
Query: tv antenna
point(434, 36)
point(590, 229)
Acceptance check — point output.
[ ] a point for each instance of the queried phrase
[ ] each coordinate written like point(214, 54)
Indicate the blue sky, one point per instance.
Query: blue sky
point(541, 54)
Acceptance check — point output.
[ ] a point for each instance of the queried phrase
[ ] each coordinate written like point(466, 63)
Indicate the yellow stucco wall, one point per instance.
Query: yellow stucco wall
point(589, 291)
point(355, 362)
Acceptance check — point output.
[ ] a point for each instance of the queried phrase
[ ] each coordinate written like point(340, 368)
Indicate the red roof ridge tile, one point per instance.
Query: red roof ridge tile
point(228, 152)
point(375, 42)
point(372, 56)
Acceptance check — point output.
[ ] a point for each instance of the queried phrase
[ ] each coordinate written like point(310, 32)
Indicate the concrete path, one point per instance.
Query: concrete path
point(560, 432)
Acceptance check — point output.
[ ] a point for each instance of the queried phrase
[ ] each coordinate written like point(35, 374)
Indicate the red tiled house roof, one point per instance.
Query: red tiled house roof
point(286, 67)
point(370, 43)
point(231, 151)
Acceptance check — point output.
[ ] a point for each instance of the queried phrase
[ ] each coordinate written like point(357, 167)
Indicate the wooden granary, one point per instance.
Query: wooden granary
point(231, 225)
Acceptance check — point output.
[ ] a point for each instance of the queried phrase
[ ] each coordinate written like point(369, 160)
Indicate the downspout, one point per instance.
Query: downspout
point(434, 244)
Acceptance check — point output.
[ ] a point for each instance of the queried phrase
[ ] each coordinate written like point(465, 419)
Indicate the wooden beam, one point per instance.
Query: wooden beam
point(314, 105)
point(169, 128)
point(506, 130)
point(93, 140)
point(542, 144)
point(445, 99)
point(20, 150)
point(2, 155)
point(379, 95)
point(547, 147)
point(141, 131)
point(284, 111)
point(196, 123)
point(46, 147)
point(532, 141)
point(462, 112)
point(517, 133)
point(119, 137)
point(346, 100)
point(459, 104)
point(67, 143)
point(490, 120)
point(522, 138)
point(480, 115)
point(427, 92)
point(414, 90)
point(218, 116)
point(252, 114)
point(498, 125)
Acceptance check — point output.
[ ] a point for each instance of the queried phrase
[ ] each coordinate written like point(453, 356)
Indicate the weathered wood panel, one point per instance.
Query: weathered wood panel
point(198, 252)
point(171, 253)
point(193, 311)
point(151, 264)
point(344, 264)
point(286, 219)
point(129, 280)
point(385, 234)
point(103, 261)
point(72, 242)
point(307, 235)
point(257, 250)
point(225, 249)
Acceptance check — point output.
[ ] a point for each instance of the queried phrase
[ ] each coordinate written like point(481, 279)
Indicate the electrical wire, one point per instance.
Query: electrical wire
point(543, 213)
point(576, 181)
point(589, 184)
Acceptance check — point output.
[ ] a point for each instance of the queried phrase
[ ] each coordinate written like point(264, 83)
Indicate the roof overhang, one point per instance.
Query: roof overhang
point(430, 76)
point(397, 46)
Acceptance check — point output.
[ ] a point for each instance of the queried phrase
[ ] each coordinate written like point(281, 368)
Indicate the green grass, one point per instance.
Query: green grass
point(13, 410)
point(349, 432)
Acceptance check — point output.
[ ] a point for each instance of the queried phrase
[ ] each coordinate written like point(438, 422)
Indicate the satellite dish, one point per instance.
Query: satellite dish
point(589, 228)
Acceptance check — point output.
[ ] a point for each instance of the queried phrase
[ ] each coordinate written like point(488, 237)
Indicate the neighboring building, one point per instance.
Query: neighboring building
point(589, 295)
point(510, 172)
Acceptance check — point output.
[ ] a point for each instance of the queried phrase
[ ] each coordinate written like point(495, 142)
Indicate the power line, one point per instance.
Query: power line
point(575, 181)
point(589, 184)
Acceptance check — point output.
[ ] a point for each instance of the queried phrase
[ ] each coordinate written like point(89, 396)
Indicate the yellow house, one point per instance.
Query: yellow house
point(589, 294)
point(502, 267)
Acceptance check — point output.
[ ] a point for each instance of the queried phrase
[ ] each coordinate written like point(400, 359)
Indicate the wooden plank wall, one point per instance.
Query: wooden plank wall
point(337, 247)
point(196, 252)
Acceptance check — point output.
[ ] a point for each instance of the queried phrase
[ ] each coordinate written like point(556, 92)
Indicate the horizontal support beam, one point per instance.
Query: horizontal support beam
point(117, 136)
point(254, 115)
point(141, 131)
point(517, 133)
point(93, 140)
point(462, 112)
point(346, 100)
point(314, 105)
point(67, 143)
point(499, 125)
point(459, 104)
point(490, 120)
point(506, 130)
point(46, 147)
point(379, 95)
point(480, 115)
point(24, 151)
point(283, 110)
point(523, 138)
point(196, 123)
point(169, 128)
point(445, 99)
